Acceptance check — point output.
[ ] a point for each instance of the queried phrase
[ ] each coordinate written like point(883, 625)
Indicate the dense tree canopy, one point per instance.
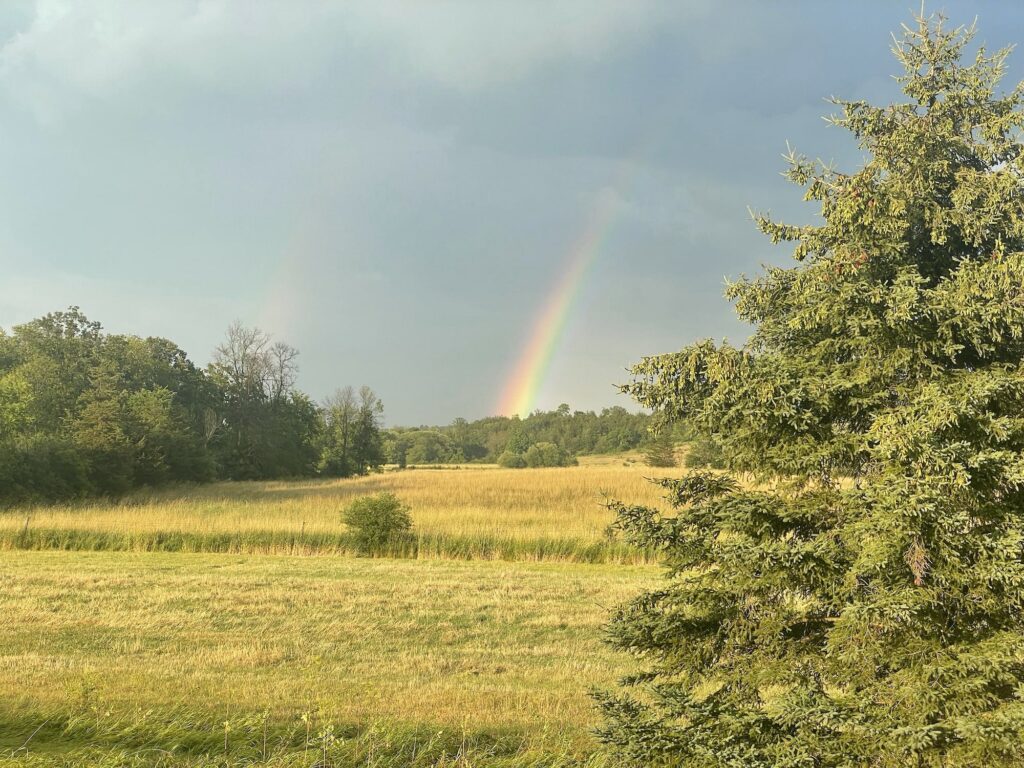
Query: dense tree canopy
point(864, 603)
point(83, 412)
point(486, 440)
point(351, 437)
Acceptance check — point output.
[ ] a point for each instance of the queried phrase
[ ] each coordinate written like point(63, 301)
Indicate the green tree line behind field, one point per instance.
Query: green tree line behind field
point(544, 438)
point(85, 412)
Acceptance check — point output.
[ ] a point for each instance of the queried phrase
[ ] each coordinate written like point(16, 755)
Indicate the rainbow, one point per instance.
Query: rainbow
point(520, 393)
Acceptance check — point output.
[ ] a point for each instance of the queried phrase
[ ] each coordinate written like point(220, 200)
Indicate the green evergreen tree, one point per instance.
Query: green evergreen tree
point(660, 451)
point(864, 604)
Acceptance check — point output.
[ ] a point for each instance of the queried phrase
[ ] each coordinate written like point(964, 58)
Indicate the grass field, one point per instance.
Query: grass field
point(257, 653)
point(467, 513)
point(504, 652)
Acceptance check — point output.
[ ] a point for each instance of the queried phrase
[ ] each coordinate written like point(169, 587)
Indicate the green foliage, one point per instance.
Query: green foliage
point(867, 609)
point(377, 521)
point(83, 412)
point(548, 455)
point(704, 453)
point(512, 460)
point(660, 451)
point(41, 468)
point(539, 455)
point(351, 440)
point(429, 446)
point(267, 427)
point(15, 404)
point(485, 440)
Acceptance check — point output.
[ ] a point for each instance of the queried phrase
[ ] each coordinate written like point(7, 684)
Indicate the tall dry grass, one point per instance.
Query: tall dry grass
point(469, 513)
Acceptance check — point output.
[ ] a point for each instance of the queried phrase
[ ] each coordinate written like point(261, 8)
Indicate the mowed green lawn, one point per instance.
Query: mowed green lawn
point(126, 658)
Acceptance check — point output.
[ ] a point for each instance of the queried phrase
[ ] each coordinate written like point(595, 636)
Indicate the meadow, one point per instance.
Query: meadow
point(229, 625)
point(471, 512)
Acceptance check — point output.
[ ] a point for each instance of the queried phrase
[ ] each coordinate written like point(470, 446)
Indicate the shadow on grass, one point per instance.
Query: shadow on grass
point(198, 738)
point(427, 546)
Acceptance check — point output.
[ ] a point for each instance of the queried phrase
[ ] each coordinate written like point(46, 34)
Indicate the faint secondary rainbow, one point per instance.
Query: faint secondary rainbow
point(520, 393)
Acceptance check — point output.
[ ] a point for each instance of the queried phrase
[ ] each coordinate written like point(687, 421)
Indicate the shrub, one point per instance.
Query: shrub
point(512, 460)
point(548, 455)
point(375, 521)
point(41, 469)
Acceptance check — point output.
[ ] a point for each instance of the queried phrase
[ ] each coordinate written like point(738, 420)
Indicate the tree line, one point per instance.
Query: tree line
point(544, 438)
point(86, 412)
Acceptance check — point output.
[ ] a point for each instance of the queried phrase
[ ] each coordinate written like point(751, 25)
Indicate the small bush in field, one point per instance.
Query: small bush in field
point(376, 520)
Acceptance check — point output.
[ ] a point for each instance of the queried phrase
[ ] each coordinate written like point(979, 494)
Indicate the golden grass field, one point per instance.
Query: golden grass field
point(476, 512)
point(412, 645)
point(258, 653)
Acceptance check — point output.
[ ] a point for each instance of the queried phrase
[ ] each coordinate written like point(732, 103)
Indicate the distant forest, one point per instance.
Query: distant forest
point(574, 433)
point(83, 412)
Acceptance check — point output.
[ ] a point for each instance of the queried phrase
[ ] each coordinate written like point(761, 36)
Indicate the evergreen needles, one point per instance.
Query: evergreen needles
point(864, 607)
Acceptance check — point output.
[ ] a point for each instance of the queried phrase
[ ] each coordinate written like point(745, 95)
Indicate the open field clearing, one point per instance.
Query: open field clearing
point(477, 512)
point(208, 634)
point(123, 650)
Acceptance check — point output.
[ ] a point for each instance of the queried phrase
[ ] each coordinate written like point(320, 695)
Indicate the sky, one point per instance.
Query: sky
point(398, 189)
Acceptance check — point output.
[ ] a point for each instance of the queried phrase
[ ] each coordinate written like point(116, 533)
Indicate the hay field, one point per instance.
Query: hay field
point(118, 654)
point(471, 512)
point(229, 625)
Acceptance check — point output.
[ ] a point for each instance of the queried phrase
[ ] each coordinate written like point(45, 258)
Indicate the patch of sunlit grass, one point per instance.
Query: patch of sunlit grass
point(157, 650)
point(478, 512)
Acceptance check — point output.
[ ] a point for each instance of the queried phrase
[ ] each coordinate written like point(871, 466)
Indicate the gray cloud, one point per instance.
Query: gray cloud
point(393, 186)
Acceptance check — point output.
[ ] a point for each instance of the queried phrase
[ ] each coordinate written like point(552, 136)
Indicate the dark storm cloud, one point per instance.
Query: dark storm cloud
point(392, 187)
